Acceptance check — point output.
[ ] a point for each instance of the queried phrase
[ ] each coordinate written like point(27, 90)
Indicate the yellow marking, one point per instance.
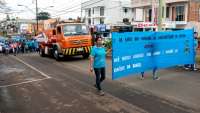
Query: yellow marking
point(66, 51)
point(86, 49)
point(73, 51)
point(70, 50)
point(89, 48)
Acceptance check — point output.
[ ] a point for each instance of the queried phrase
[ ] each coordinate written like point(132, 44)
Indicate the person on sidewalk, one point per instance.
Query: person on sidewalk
point(155, 77)
point(193, 66)
point(98, 63)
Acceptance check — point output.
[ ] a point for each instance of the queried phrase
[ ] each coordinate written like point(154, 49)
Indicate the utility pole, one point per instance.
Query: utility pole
point(162, 14)
point(81, 11)
point(36, 3)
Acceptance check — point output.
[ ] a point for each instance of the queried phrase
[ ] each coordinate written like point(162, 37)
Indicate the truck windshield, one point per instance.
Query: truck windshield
point(75, 29)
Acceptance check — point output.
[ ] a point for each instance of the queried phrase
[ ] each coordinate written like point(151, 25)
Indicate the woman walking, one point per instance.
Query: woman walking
point(98, 63)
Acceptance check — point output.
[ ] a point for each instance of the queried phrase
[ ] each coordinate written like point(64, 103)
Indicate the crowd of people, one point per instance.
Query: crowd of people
point(20, 46)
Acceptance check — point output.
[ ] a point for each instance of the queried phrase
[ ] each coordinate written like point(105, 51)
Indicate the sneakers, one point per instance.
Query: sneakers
point(156, 78)
point(141, 78)
point(195, 69)
point(186, 68)
point(101, 93)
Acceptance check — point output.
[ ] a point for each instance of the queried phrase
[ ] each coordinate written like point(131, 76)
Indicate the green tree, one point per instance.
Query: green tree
point(43, 16)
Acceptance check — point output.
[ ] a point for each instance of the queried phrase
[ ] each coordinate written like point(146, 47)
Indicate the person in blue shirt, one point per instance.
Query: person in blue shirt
point(36, 45)
point(193, 66)
point(98, 63)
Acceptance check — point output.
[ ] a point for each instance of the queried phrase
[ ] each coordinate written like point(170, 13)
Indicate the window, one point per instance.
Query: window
point(167, 12)
point(89, 21)
point(125, 10)
point(54, 32)
point(148, 15)
point(92, 10)
point(75, 29)
point(89, 12)
point(101, 21)
point(180, 13)
point(101, 11)
point(59, 30)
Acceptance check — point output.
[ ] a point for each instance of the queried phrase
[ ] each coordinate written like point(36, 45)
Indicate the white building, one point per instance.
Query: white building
point(106, 11)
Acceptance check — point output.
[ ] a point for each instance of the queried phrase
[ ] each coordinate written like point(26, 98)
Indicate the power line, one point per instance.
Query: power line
point(68, 8)
point(88, 5)
point(65, 12)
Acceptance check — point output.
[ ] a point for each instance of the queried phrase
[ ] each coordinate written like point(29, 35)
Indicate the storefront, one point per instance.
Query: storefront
point(150, 26)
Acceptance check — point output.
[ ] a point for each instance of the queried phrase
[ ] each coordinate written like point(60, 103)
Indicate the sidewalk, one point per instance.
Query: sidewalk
point(175, 84)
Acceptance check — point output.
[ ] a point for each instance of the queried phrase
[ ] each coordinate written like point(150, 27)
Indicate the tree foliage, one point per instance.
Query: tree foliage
point(43, 16)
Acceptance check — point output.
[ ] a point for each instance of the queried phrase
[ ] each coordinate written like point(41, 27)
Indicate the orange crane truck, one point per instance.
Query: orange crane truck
point(66, 39)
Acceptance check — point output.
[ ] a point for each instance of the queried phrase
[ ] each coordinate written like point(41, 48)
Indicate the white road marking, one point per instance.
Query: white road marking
point(4, 86)
point(33, 68)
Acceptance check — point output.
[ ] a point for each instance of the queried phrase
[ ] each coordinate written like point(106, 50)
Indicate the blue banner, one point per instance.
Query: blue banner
point(135, 52)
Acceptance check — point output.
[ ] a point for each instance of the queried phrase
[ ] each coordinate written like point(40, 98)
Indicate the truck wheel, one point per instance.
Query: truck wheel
point(86, 56)
point(56, 55)
point(41, 52)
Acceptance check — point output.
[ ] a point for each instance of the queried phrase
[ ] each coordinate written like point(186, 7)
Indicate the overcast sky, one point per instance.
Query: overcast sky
point(61, 8)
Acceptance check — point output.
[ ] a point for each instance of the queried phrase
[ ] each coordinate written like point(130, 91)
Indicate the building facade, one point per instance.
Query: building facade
point(177, 14)
point(106, 11)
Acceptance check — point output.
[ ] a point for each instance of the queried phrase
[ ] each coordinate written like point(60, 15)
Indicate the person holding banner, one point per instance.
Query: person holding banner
point(98, 63)
point(193, 66)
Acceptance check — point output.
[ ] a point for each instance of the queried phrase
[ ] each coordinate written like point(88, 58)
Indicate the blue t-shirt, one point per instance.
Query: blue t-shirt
point(36, 45)
point(99, 55)
point(195, 43)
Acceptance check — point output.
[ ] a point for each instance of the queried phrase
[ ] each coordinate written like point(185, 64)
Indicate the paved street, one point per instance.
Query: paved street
point(31, 84)
point(54, 55)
